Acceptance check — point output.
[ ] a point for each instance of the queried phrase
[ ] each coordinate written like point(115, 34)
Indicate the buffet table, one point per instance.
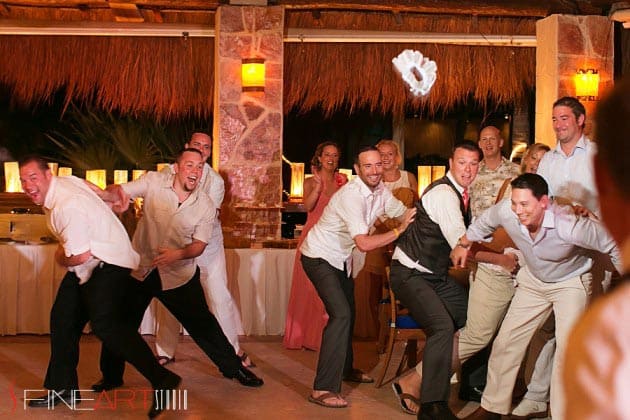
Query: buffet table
point(259, 279)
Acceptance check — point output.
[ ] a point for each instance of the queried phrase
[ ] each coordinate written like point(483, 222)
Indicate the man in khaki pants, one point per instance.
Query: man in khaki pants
point(556, 278)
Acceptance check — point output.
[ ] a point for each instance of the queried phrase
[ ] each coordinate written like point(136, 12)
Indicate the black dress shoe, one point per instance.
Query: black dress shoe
point(105, 385)
point(247, 378)
point(52, 398)
point(471, 393)
point(436, 410)
point(160, 401)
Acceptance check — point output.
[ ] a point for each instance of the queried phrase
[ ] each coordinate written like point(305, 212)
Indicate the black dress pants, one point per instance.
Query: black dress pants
point(98, 301)
point(188, 304)
point(438, 304)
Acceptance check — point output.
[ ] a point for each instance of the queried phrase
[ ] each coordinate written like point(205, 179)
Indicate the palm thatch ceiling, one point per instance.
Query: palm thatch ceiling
point(172, 77)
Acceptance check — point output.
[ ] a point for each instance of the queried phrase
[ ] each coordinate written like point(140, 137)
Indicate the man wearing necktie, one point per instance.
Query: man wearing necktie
point(419, 278)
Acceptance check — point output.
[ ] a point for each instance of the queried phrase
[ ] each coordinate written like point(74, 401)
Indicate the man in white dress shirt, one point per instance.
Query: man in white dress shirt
point(212, 268)
point(556, 277)
point(95, 248)
point(420, 280)
point(568, 171)
point(345, 224)
point(175, 228)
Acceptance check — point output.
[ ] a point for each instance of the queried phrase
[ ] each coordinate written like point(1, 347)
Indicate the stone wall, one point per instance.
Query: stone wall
point(566, 43)
point(247, 148)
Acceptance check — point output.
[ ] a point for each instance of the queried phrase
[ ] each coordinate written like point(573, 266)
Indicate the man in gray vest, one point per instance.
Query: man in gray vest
point(419, 278)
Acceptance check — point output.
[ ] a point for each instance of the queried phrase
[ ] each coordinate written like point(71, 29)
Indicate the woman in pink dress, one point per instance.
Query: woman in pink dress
point(306, 315)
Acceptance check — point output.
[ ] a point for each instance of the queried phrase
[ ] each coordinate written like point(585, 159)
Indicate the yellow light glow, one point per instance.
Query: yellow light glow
point(12, 177)
point(97, 177)
point(121, 176)
point(64, 171)
point(161, 166)
point(54, 167)
point(347, 173)
point(424, 178)
point(437, 172)
point(137, 173)
point(297, 182)
point(586, 84)
point(253, 74)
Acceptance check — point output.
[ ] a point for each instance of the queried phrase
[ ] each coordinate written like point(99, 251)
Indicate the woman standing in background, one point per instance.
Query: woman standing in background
point(306, 316)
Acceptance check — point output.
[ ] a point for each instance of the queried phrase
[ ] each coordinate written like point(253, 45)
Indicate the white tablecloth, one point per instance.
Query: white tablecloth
point(259, 280)
point(29, 278)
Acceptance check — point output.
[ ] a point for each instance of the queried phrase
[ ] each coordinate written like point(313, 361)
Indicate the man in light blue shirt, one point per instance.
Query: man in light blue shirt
point(552, 239)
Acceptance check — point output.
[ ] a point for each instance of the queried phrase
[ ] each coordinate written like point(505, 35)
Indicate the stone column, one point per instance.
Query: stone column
point(247, 148)
point(566, 43)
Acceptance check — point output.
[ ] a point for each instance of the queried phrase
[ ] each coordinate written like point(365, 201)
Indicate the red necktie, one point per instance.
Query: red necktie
point(465, 198)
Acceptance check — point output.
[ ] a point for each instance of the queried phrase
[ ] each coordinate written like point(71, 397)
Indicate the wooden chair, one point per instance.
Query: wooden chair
point(401, 328)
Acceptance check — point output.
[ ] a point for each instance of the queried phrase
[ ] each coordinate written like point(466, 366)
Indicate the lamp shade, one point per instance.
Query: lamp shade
point(253, 74)
point(346, 172)
point(12, 177)
point(137, 173)
point(424, 178)
point(97, 177)
point(161, 166)
point(54, 167)
point(297, 182)
point(586, 84)
point(64, 171)
point(121, 176)
point(437, 172)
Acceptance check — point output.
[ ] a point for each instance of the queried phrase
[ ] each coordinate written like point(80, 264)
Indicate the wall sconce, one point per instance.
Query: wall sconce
point(12, 177)
point(297, 182)
point(97, 177)
point(64, 171)
point(586, 84)
point(427, 174)
point(54, 167)
point(253, 74)
point(121, 176)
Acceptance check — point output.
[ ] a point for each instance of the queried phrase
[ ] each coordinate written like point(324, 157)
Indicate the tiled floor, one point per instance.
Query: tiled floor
point(288, 376)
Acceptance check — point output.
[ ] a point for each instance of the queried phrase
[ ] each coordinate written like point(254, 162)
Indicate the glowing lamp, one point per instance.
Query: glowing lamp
point(12, 177)
point(297, 182)
point(424, 178)
point(161, 166)
point(97, 177)
point(121, 176)
point(586, 84)
point(137, 173)
point(346, 172)
point(64, 171)
point(253, 74)
point(54, 167)
point(437, 172)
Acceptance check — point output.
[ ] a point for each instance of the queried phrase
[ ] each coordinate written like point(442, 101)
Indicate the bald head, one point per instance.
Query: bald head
point(490, 142)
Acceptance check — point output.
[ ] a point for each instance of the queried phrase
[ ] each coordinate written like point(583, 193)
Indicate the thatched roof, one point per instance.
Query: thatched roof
point(170, 77)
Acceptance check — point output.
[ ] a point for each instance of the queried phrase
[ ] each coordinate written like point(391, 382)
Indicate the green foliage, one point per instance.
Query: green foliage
point(99, 140)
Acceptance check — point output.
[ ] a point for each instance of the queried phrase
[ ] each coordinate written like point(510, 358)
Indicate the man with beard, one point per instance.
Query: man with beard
point(345, 224)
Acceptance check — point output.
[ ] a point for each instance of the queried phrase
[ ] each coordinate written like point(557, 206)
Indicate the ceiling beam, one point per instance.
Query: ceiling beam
point(19, 27)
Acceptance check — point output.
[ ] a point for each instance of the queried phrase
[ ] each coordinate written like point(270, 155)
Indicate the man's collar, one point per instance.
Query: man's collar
point(459, 188)
point(48, 200)
point(367, 191)
point(582, 143)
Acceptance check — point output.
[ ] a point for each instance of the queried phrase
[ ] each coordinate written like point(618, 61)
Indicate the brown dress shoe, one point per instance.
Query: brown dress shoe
point(483, 414)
